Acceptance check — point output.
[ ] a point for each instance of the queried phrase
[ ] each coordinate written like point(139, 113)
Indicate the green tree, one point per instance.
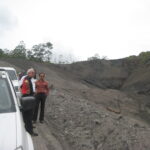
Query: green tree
point(144, 56)
point(20, 50)
point(42, 52)
point(1, 52)
point(7, 52)
point(48, 53)
point(38, 52)
point(30, 55)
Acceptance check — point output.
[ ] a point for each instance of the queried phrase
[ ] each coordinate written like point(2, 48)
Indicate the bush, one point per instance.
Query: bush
point(144, 57)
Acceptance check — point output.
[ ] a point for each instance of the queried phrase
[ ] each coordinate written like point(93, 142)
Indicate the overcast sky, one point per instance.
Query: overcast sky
point(112, 28)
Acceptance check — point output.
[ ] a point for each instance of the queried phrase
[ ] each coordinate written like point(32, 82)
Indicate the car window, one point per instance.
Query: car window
point(6, 98)
point(12, 74)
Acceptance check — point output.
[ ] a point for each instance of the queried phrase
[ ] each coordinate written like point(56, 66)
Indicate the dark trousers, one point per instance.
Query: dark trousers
point(27, 117)
point(40, 99)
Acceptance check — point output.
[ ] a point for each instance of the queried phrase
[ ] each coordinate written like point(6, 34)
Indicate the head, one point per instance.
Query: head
point(31, 72)
point(41, 76)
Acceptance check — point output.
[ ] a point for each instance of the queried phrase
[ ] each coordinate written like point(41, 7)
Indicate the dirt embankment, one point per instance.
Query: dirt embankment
point(99, 105)
point(121, 74)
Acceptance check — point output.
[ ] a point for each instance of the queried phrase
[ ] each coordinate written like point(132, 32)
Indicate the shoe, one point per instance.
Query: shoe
point(34, 134)
point(41, 121)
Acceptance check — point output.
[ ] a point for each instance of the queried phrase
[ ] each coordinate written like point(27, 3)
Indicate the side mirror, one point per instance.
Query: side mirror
point(27, 103)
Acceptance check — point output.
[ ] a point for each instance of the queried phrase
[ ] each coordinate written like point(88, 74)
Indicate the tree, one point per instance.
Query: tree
point(42, 52)
point(48, 46)
point(104, 57)
point(1, 52)
point(20, 50)
point(7, 52)
point(38, 52)
point(144, 57)
point(95, 57)
point(30, 55)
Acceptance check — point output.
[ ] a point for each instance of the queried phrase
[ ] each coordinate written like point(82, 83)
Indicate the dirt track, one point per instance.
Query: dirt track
point(45, 140)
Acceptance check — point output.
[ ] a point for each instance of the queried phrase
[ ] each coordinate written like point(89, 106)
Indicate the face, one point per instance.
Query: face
point(42, 76)
point(31, 74)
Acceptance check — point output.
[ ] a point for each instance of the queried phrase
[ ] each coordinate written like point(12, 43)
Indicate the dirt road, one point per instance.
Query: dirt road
point(45, 140)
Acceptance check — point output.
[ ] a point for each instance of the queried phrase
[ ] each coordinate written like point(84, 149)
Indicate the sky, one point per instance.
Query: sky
point(82, 28)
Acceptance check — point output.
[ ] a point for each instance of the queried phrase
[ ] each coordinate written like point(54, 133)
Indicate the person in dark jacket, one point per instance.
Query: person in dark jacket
point(27, 90)
point(41, 90)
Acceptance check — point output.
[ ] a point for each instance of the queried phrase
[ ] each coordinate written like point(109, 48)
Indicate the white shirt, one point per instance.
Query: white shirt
point(32, 80)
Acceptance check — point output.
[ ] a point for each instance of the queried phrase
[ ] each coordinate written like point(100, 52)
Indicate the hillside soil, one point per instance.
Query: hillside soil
point(101, 108)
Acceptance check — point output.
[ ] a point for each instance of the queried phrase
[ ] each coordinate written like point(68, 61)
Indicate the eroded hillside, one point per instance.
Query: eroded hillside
point(95, 105)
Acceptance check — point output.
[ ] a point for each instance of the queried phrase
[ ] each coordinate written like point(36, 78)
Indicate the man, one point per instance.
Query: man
point(27, 90)
point(33, 79)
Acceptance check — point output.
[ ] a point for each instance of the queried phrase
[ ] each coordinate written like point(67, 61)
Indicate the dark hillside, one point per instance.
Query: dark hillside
point(94, 105)
point(103, 73)
point(122, 74)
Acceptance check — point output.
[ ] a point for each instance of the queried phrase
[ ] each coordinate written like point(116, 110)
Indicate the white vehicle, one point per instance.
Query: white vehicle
point(13, 76)
point(13, 135)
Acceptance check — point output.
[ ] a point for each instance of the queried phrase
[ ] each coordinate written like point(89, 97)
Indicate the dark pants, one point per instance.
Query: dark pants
point(40, 99)
point(27, 117)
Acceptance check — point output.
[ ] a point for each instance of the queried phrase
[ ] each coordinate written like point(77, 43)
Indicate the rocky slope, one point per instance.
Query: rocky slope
point(102, 105)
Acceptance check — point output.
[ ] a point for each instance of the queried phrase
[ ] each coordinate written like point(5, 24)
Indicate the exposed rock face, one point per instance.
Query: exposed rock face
point(101, 73)
point(119, 74)
point(138, 81)
point(115, 116)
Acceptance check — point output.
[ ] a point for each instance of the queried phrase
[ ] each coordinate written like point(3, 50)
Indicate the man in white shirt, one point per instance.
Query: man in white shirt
point(33, 80)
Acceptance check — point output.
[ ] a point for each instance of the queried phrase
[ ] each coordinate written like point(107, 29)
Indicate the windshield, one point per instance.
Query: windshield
point(6, 99)
point(12, 74)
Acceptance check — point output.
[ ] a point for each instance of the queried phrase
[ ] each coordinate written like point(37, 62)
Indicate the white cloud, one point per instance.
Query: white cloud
point(84, 27)
point(7, 20)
